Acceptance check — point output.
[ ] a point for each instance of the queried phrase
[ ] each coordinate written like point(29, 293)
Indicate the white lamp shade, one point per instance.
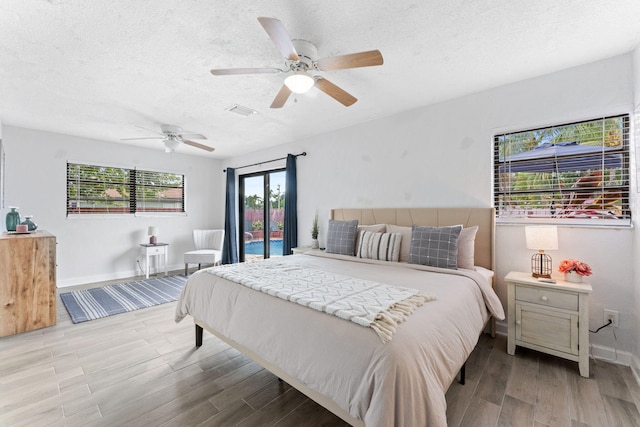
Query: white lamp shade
point(299, 82)
point(153, 231)
point(542, 237)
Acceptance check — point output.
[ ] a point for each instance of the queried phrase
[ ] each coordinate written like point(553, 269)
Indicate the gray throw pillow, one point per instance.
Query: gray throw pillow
point(341, 237)
point(435, 246)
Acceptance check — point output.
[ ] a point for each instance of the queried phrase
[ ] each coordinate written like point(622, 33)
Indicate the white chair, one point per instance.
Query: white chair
point(208, 245)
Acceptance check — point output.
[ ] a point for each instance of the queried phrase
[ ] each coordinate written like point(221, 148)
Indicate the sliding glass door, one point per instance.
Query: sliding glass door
point(262, 212)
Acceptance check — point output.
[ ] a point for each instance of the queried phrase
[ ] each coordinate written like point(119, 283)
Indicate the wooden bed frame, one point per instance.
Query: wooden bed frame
point(484, 257)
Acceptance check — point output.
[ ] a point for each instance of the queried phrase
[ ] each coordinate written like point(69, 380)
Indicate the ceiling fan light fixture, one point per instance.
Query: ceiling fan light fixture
point(299, 83)
point(170, 145)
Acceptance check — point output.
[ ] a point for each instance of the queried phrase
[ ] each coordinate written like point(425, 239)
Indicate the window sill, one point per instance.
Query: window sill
point(620, 224)
point(127, 215)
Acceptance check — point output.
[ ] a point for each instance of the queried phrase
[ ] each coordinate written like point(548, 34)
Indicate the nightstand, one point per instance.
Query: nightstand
point(549, 317)
point(158, 250)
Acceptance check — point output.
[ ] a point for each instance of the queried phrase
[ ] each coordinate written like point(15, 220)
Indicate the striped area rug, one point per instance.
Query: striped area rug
point(91, 304)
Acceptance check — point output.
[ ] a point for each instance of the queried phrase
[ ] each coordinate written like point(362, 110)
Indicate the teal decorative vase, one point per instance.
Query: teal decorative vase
point(13, 219)
point(31, 226)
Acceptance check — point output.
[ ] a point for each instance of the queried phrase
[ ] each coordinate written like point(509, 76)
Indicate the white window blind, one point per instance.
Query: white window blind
point(159, 192)
point(93, 189)
point(570, 173)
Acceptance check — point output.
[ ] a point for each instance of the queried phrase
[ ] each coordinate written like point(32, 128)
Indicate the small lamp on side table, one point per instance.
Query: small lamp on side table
point(153, 235)
point(541, 238)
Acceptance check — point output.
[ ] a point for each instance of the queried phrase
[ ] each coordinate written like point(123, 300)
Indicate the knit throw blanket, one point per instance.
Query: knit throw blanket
point(375, 305)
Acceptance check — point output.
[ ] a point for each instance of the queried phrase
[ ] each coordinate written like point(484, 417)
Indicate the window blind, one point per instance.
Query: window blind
point(158, 192)
point(93, 189)
point(569, 173)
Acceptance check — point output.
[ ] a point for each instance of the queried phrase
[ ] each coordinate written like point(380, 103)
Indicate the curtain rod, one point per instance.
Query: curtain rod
point(304, 153)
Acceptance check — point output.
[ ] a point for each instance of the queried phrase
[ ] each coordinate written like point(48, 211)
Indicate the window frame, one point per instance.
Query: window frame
point(625, 219)
point(128, 189)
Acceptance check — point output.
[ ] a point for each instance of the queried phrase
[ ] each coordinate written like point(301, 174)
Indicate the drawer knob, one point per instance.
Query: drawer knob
point(543, 298)
point(518, 322)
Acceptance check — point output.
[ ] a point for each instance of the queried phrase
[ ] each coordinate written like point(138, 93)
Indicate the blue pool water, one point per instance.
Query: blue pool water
point(256, 248)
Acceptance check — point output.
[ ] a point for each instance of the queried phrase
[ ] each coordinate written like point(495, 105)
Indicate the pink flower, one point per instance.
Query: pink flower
point(582, 268)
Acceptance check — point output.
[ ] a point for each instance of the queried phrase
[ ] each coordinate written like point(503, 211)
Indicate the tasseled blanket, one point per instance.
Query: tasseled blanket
point(375, 305)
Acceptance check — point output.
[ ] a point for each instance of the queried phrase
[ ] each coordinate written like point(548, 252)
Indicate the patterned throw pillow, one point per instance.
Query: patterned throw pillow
point(435, 246)
point(381, 246)
point(341, 237)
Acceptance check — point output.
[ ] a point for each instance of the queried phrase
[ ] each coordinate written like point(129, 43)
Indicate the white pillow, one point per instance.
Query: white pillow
point(380, 246)
point(376, 228)
point(466, 247)
point(405, 242)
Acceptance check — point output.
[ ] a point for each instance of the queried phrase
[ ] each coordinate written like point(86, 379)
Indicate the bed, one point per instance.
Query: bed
point(345, 367)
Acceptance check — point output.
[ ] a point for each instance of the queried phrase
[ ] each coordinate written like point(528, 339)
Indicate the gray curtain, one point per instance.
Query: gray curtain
point(290, 238)
point(230, 247)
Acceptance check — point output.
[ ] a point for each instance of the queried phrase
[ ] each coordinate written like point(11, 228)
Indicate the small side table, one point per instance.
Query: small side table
point(155, 250)
point(549, 317)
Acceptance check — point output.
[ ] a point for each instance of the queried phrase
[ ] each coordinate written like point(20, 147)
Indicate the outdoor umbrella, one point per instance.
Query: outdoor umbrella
point(563, 157)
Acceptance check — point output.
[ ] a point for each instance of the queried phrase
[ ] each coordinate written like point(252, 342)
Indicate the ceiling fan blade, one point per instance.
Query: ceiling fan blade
point(335, 92)
point(280, 37)
point(352, 60)
point(191, 135)
point(198, 145)
point(235, 71)
point(152, 131)
point(281, 97)
point(148, 137)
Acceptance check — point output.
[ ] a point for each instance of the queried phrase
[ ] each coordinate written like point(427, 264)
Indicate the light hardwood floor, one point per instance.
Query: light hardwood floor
point(142, 369)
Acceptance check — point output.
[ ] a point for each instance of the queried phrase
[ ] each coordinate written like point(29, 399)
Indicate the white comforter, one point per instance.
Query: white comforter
point(401, 383)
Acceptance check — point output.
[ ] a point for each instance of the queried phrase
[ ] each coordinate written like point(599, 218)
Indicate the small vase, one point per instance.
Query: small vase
point(31, 226)
point(13, 219)
point(315, 244)
point(572, 277)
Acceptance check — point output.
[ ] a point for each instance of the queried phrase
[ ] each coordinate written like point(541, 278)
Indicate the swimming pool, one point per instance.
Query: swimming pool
point(256, 248)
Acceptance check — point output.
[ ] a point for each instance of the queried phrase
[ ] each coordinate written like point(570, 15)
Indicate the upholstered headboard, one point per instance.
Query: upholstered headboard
point(484, 218)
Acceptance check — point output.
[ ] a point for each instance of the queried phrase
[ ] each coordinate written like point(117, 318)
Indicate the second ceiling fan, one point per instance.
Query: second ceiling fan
point(301, 61)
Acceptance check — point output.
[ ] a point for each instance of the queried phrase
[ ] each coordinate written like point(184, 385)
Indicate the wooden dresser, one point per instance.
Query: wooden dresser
point(27, 282)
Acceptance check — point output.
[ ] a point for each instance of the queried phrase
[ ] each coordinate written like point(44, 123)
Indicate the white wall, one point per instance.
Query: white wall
point(106, 247)
point(636, 212)
point(441, 155)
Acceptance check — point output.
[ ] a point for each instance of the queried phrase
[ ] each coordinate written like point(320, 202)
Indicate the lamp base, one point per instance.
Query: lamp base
point(536, 275)
point(541, 265)
point(153, 240)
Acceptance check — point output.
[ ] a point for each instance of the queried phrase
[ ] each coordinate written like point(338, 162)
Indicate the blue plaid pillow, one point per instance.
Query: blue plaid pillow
point(341, 237)
point(435, 246)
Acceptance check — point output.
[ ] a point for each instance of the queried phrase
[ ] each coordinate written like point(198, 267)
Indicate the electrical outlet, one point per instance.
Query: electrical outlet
point(613, 316)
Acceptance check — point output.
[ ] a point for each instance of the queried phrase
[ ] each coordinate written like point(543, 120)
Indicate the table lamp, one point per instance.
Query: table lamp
point(542, 238)
point(153, 233)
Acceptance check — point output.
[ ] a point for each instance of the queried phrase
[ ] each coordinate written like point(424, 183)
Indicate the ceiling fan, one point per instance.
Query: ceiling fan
point(173, 136)
point(301, 61)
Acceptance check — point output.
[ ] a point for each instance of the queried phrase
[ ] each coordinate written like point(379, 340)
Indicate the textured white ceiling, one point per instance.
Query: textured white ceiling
point(100, 69)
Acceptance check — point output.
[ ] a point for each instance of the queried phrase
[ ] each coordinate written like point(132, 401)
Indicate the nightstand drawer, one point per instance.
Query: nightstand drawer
point(155, 250)
point(547, 297)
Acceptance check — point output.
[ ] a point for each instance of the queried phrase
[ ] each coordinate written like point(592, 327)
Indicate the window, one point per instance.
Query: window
point(95, 189)
point(571, 173)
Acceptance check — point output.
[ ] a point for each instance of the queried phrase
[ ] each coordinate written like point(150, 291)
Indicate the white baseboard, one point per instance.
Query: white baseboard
point(96, 278)
point(635, 367)
point(64, 283)
point(610, 355)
